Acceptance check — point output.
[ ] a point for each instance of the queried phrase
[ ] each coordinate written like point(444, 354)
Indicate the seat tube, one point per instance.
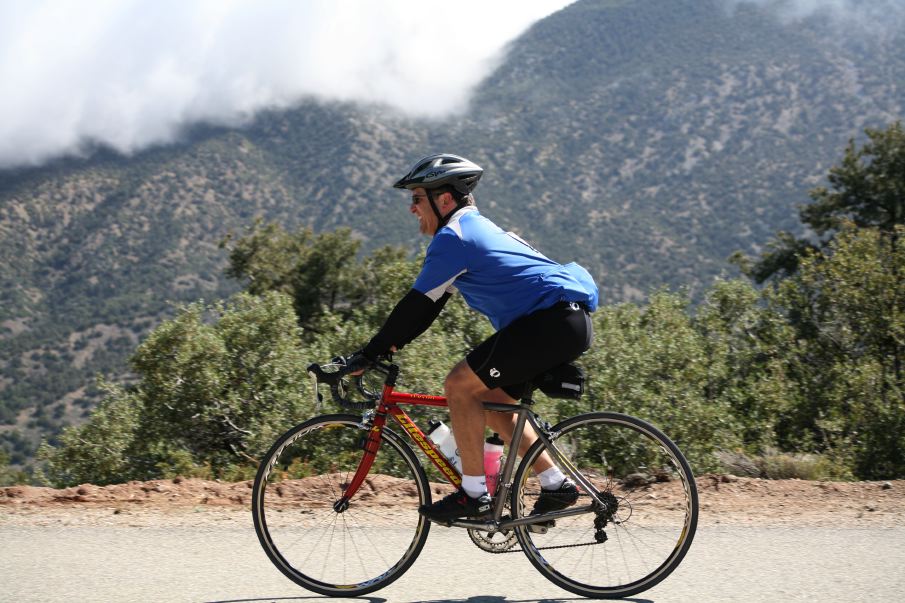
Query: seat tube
point(505, 483)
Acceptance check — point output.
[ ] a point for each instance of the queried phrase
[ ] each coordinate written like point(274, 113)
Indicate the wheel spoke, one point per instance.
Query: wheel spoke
point(645, 530)
point(358, 550)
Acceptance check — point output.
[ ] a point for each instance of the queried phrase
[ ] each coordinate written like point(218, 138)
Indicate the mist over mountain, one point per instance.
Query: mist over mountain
point(130, 74)
point(645, 139)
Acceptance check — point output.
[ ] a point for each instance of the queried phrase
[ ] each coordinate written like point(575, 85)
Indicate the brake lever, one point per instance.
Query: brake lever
point(318, 397)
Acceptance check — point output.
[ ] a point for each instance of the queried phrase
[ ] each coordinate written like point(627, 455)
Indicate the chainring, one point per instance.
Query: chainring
point(493, 542)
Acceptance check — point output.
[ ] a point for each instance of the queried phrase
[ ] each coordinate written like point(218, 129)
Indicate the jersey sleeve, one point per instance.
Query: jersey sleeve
point(410, 318)
point(444, 263)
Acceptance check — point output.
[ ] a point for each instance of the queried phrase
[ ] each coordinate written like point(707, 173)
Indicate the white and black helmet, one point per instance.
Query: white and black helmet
point(442, 169)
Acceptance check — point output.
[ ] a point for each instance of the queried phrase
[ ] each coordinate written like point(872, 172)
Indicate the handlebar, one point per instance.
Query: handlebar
point(338, 381)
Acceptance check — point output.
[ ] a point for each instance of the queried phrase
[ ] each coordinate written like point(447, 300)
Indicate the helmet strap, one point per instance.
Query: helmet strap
point(441, 219)
point(433, 202)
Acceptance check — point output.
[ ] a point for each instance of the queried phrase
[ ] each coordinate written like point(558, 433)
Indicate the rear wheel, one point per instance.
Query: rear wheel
point(344, 551)
point(646, 524)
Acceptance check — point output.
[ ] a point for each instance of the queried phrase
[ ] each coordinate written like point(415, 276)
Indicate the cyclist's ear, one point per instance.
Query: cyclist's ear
point(445, 199)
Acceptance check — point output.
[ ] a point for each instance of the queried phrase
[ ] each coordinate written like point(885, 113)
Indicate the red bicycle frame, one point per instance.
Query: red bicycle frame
point(389, 405)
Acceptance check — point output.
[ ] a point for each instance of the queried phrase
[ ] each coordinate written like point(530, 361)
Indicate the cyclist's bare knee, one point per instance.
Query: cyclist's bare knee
point(462, 384)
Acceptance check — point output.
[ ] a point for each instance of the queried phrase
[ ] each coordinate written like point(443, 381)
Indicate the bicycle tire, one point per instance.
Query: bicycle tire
point(341, 554)
point(648, 530)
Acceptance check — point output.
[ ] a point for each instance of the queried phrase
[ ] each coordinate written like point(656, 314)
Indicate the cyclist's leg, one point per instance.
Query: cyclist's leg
point(527, 347)
point(504, 424)
point(464, 394)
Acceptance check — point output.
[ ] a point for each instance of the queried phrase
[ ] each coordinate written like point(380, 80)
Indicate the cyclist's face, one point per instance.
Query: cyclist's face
point(427, 219)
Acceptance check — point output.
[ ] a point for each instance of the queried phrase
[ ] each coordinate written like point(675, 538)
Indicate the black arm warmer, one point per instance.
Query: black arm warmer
point(410, 318)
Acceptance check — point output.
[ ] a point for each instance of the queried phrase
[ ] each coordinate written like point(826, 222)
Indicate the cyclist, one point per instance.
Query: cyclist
point(539, 308)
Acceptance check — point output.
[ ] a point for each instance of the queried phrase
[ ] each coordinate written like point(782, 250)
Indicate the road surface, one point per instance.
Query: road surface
point(223, 562)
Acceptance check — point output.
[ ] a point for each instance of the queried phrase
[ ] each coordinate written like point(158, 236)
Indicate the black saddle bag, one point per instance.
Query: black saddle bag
point(563, 381)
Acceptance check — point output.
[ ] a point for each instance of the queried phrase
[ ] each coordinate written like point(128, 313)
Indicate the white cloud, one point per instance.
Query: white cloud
point(129, 73)
point(864, 15)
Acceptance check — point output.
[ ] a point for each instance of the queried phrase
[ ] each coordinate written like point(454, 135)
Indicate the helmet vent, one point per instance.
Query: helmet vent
point(442, 169)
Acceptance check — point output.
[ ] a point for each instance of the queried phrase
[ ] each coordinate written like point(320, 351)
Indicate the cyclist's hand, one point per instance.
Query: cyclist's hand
point(357, 363)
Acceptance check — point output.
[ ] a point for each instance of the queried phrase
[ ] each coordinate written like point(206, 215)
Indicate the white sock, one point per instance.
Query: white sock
point(552, 478)
point(474, 485)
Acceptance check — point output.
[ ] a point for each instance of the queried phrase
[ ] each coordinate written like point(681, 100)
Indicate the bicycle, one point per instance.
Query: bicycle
point(316, 514)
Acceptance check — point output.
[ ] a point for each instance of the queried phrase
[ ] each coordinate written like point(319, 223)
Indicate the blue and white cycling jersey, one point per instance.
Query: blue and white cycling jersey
point(498, 273)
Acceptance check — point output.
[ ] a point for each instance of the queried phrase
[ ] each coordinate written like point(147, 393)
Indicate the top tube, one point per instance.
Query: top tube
point(393, 397)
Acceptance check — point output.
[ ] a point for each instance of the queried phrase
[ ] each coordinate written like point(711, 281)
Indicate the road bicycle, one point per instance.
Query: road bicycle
point(335, 501)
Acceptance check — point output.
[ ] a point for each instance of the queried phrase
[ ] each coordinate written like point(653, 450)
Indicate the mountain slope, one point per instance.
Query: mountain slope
point(646, 139)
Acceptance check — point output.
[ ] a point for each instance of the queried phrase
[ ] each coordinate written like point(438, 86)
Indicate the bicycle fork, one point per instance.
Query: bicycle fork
point(370, 444)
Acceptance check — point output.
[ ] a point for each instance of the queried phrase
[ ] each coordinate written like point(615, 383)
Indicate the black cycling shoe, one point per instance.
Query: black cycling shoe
point(556, 500)
point(458, 505)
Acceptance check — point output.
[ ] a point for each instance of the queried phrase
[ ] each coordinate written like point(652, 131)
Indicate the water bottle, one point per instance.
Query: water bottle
point(442, 436)
point(493, 461)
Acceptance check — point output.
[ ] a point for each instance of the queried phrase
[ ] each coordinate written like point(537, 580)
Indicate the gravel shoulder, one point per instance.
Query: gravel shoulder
point(724, 500)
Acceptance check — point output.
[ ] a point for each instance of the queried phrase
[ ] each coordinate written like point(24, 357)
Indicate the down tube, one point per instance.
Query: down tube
point(428, 447)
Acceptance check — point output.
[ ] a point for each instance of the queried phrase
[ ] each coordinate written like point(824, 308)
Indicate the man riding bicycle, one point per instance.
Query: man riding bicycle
point(539, 308)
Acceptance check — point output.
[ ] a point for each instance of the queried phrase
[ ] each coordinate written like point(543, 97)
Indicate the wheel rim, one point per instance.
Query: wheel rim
point(640, 471)
point(365, 546)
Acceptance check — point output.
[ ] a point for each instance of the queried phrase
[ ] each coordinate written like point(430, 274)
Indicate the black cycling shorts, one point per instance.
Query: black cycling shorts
point(531, 345)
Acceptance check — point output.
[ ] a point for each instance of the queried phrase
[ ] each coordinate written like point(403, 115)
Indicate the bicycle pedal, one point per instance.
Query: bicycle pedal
point(541, 528)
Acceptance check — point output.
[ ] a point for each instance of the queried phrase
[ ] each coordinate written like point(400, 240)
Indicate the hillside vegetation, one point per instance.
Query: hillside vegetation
point(646, 139)
point(802, 379)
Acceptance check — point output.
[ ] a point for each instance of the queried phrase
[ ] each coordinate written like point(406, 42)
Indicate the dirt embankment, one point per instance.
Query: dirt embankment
point(724, 499)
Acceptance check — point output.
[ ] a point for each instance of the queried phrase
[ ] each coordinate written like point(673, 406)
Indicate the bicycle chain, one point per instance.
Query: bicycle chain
point(550, 548)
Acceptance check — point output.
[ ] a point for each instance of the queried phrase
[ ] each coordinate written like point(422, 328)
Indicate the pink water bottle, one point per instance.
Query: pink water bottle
point(493, 461)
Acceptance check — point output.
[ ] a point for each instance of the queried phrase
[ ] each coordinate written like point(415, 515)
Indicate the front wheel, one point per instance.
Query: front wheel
point(645, 525)
point(339, 550)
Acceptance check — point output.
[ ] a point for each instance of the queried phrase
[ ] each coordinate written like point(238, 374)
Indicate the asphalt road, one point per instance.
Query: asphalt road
point(224, 563)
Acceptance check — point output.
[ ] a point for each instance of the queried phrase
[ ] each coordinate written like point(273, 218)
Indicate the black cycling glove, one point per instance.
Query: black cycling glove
point(357, 361)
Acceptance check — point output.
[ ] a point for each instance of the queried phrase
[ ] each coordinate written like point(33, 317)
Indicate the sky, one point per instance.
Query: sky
point(133, 73)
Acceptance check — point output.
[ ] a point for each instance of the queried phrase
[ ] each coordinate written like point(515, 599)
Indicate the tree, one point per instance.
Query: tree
point(98, 451)
point(746, 345)
point(867, 189)
point(8, 475)
point(847, 306)
point(321, 272)
point(216, 385)
point(652, 362)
